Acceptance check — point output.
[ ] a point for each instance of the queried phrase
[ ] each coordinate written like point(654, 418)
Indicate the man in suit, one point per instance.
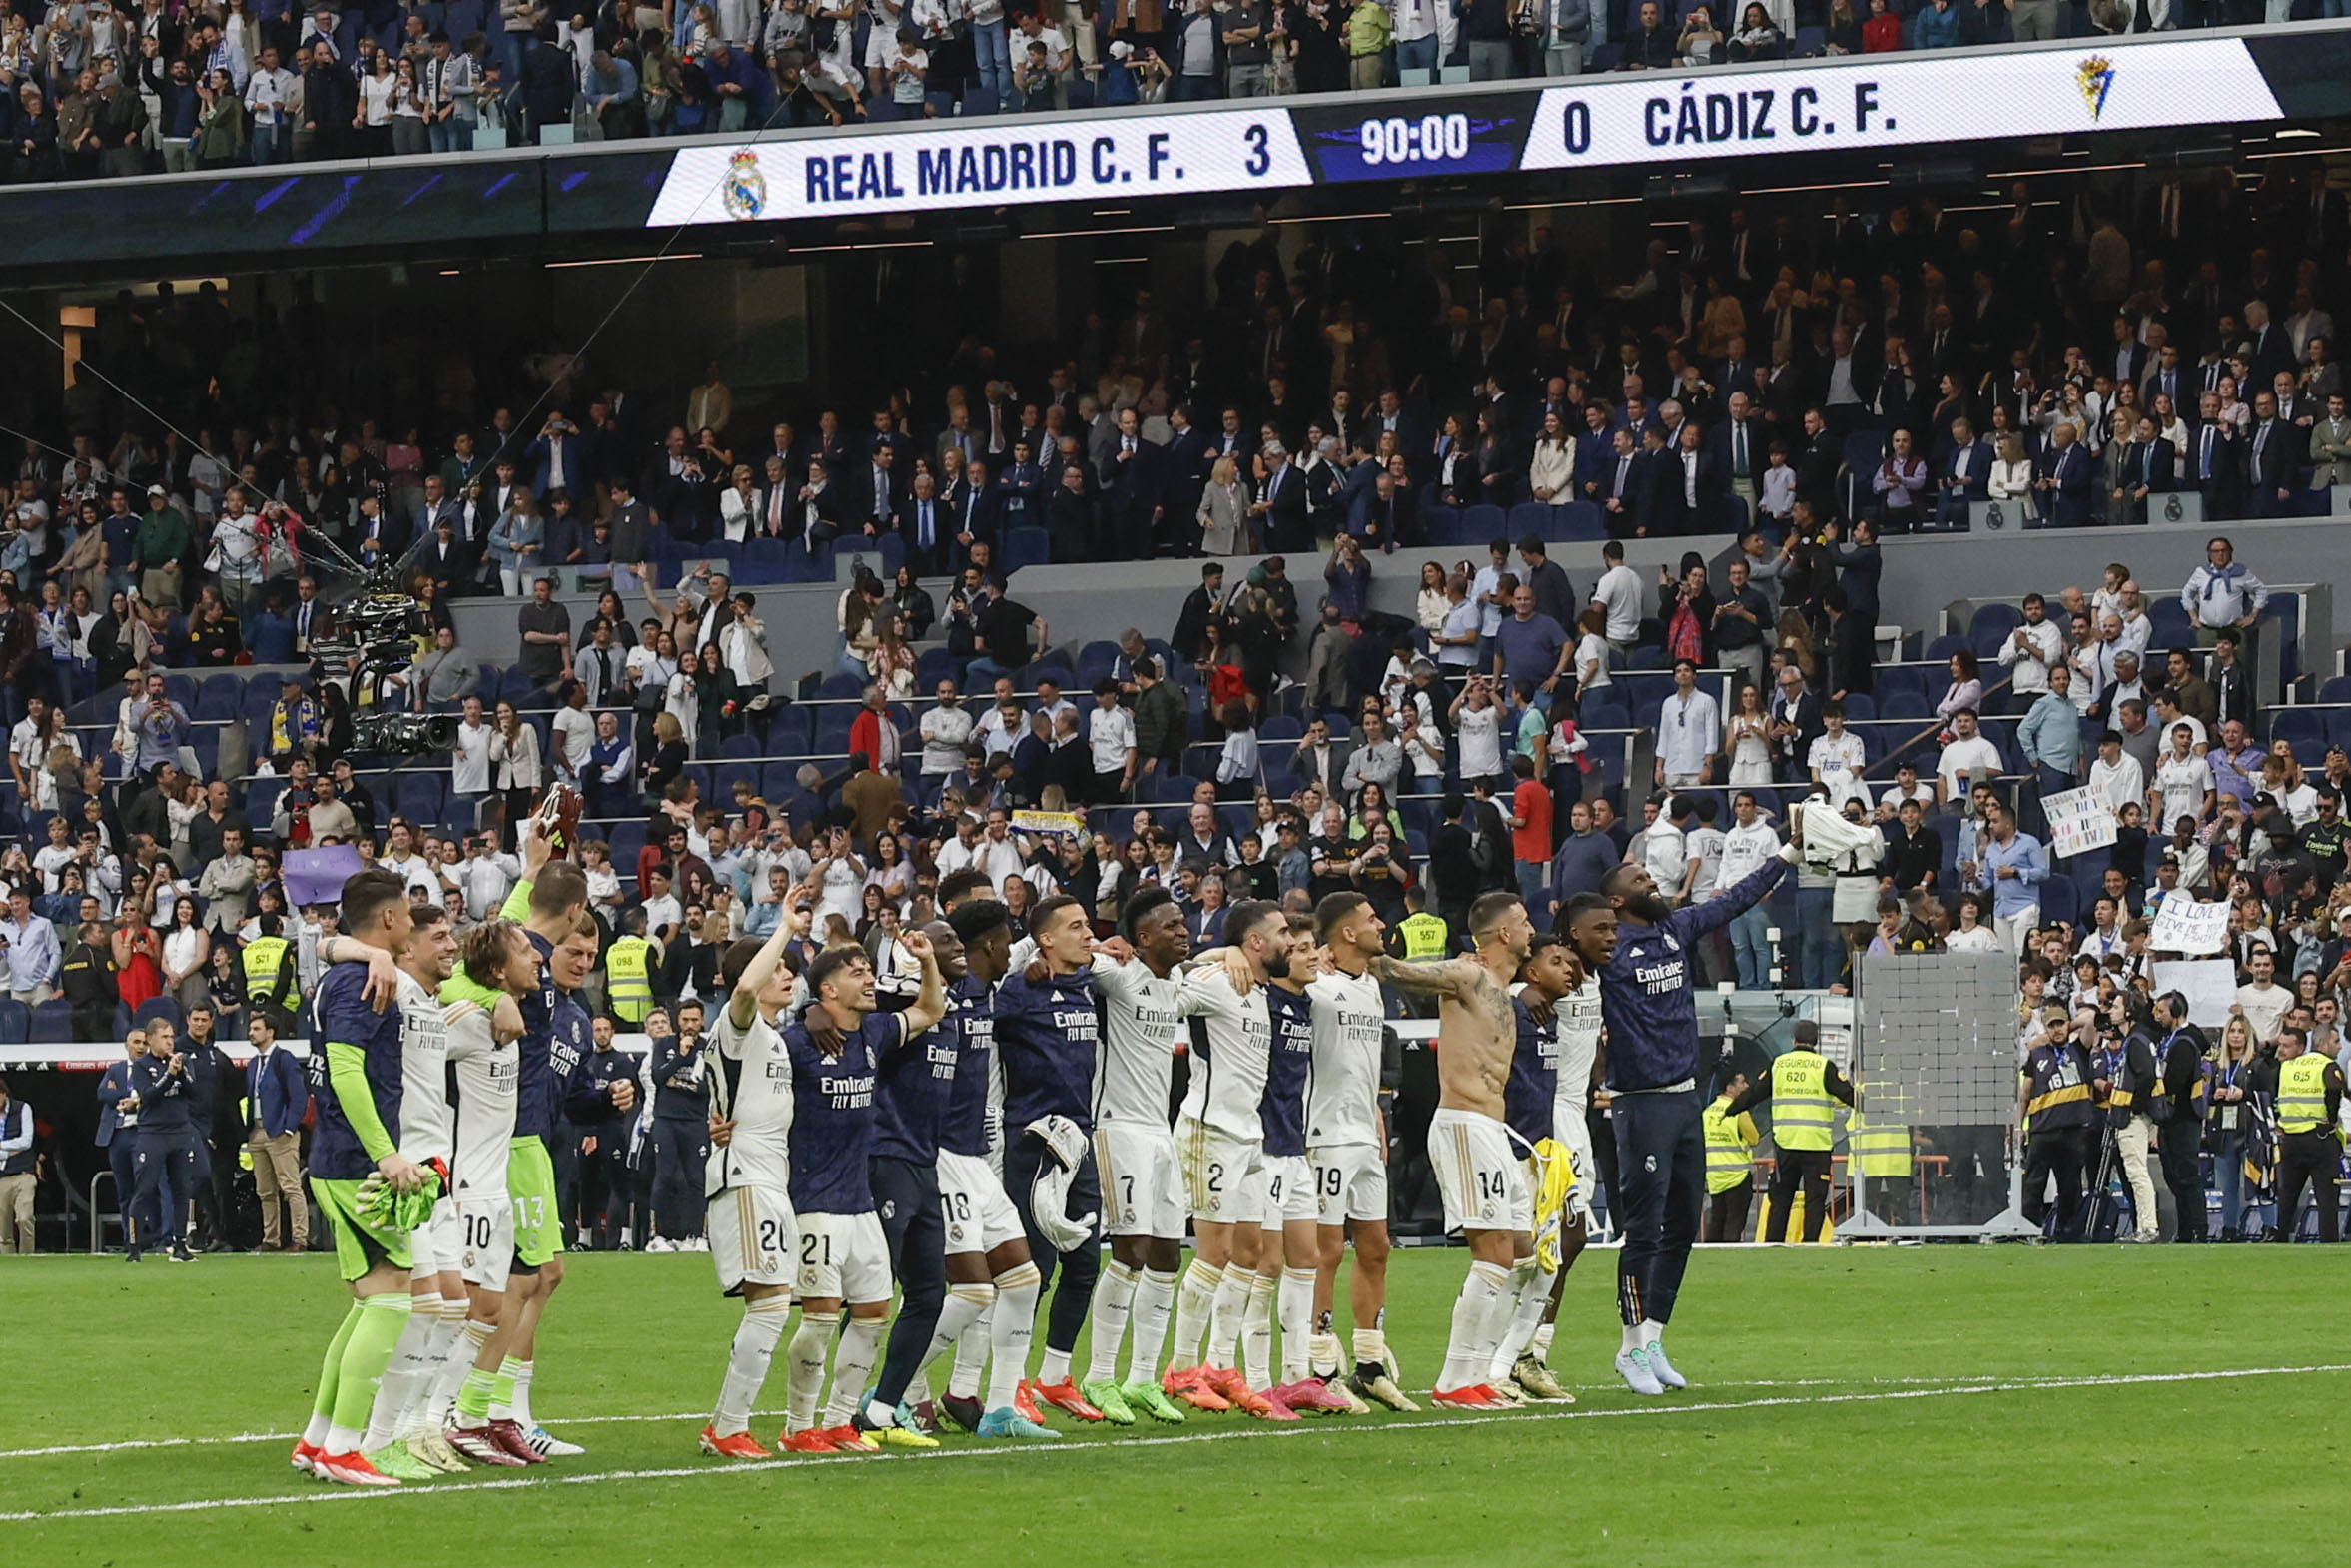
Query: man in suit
point(448, 560)
point(275, 1095)
point(562, 457)
point(874, 498)
point(1282, 504)
point(1657, 510)
point(1965, 475)
point(2131, 356)
point(972, 513)
point(2273, 453)
point(2066, 482)
point(1617, 487)
point(1132, 484)
point(1321, 760)
point(1795, 723)
point(2216, 461)
point(1184, 468)
point(922, 521)
point(437, 505)
point(1736, 449)
point(2272, 350)
point(678, 493)
point(2168, 377)
point(2330, 446)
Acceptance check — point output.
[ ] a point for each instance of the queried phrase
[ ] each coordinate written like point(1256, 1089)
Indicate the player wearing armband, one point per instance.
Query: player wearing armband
point(356, 1077)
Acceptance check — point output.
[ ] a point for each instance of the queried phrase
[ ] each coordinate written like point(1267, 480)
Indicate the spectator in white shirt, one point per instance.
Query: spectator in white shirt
point(1618, 594)
point(1689, 731)
point(945, 730)
point(2031, 648)
point(1836, 758)
point(469, 761)
point(1969, 759)
point(1109, 735)
point(2117, 777)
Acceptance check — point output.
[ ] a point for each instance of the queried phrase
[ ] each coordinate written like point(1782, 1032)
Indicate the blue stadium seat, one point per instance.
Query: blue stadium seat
point(777, 780)
point(2167, 623)
point(832, 732)
point(261, 800)
point(1174, 786)
point(1990, 627)
point(181, 690)
point(1894, 678)
point(2335, 689)
point(52, 1023)
point(728, 773)
point(933, 665)
point(838, 686)
point(1943, 647)
point(418, 795)
point(1578, 522)
point(790, 733)
point(1530, 517)
point(16, 1022)
point(220, 700)
point(1480, 525)
point(1440, 522)
point(1027, 547)
point(1279, 727)
point(164, 1007)
point(743, 745)
point(1904, 705)
point(625, 839)
point(1860, 707)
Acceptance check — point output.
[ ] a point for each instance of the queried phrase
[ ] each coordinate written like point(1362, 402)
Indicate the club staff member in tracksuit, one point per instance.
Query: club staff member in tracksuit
point(1798, 1089)
point(603, 1142)
point(2056, 1108)
point(118, 1135)
point(2179, 1111)
point(681, 1132)
point(168, 1137)
point(1650, 1009)
point(2309, 1135)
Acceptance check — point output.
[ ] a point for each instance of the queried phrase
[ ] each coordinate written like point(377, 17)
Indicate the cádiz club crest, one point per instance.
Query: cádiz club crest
point(745, 188)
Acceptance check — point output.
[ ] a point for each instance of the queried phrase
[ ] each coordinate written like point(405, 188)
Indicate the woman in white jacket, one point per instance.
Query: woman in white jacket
point(2012, 472)
point(1552, 472)
point(515, 762)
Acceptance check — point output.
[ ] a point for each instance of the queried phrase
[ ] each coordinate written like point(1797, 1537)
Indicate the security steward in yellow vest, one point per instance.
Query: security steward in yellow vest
point(1881, 1152)
point(269, 973)
point(2309, 1137)
point(1801, 1087)
point(1730, 1165)
point(1424, 938)
point(2057, 1106)
point(628, 973)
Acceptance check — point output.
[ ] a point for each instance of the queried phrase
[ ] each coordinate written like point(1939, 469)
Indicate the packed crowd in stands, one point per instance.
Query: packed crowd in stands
point(94, 89)
point(1357, 414)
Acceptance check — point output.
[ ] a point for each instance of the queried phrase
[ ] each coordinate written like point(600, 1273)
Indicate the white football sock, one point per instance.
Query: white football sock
point(1013, 1325)
point(1153, 1297)
point(853, 1364)
point(1224, 1320)
point(473, 1334)
point(448, 1325)
point(1195, 1309)
point(806, 1377)
point(519, 1405)
point(1256, 1333)
point(1113, 1301)
point(1470, 1347)
point(1371, 1347)
point(971, 1352)
point(404, 1377)
point(961, 1309)
point(1294, 1305)
point(1533, 1294)
point(747, 1363)
point(1650, 1330)
point(1054, 1366)
point(1542, 1342)
point(1632, 1339)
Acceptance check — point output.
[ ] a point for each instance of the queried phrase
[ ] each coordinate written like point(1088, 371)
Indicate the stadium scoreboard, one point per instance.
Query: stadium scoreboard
point(1863, 104)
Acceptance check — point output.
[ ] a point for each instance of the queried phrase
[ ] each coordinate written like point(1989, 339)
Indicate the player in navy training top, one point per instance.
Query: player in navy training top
point(843, 1255)
point(1290, 1246)
point(1651, 1013)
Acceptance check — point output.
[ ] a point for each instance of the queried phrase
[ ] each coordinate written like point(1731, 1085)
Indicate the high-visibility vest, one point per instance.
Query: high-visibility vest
point(1729, 1161)
point(1879, 1148)
point(1426, 937)
point(2301, 1093)
point(629, 967)
point(1803, 1115)
point(264, 957)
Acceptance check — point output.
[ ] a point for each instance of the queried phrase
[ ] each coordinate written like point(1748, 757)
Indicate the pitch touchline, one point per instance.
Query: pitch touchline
point(134, 1444)
point(1515, 1417)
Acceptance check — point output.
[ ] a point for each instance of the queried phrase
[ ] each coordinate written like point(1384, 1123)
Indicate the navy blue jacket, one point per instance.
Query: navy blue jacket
point(1646, 994)
point(167, 1101)
point(679, 1101)
point(277, 1092)
point(111, 1088)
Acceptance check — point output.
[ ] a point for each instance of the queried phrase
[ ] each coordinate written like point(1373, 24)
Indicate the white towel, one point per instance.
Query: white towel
point(1829, 837)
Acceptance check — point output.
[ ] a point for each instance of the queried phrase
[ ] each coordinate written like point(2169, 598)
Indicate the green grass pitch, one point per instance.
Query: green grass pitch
point(1918, 1406)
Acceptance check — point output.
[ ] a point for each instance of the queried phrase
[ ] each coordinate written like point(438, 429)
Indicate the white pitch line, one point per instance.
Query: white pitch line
point(1332, 1429)
point(136, 1444)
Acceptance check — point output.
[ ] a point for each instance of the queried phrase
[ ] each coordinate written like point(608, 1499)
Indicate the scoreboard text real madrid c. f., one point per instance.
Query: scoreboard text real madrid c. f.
point(1633, 120)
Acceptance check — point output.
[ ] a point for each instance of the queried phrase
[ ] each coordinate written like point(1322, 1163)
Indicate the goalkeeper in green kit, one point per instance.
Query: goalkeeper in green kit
point(374, 1197)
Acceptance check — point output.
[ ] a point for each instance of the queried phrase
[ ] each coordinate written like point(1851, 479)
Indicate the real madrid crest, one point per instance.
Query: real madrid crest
point(745, 188)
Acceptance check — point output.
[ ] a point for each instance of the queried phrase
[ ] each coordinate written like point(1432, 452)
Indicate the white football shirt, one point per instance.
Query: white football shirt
point(485, 1083)
point(1228, 1073)
point(427, 1126)
point(753, 1087)
point(1142, 1014)
point(1343, 1101)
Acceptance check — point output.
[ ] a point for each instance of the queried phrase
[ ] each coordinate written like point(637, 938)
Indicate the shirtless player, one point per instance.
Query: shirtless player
point(1478, 1175)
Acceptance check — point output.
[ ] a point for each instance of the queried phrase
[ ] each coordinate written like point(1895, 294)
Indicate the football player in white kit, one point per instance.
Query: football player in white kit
point(496, 964)
point(754, 1236)
point(1589, 924)
point(1144, 1008)
point(1346, 1143)
point(1219, 1141)
point(401, 1440)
